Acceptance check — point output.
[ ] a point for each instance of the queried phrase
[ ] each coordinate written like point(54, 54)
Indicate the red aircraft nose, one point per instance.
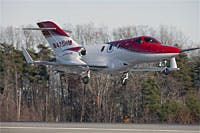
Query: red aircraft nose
point(171, 49)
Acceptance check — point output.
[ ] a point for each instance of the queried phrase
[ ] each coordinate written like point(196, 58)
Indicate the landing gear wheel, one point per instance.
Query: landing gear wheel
point(85, 79)
point(124, 78)
point(166, 71)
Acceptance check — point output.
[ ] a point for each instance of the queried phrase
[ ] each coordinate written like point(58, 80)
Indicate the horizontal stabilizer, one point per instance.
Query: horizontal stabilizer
point(42, 29)
point(45, 29)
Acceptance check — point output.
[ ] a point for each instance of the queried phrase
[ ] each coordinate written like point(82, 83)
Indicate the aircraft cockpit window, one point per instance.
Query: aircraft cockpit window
point(139, 40)
point(102, 48)
point(150, 40)
point(110, 48)
point(118, 45)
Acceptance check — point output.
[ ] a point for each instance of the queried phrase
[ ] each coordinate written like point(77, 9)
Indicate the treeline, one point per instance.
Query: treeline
point(38, 93)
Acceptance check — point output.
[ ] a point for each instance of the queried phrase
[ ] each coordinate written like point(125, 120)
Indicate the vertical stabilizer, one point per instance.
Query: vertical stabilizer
point(65, 48)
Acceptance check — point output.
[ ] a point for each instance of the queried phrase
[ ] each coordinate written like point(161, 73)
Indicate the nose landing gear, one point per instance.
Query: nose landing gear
point(124, 78)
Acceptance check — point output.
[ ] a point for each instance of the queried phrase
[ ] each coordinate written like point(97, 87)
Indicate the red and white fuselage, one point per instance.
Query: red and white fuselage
point(123, 54)
point(110, 57)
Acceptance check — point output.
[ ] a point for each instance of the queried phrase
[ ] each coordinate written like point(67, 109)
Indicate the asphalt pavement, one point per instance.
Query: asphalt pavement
point(37, 127)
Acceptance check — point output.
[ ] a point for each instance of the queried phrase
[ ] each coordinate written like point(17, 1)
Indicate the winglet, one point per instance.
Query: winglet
point(28, 58)
point(173, 63)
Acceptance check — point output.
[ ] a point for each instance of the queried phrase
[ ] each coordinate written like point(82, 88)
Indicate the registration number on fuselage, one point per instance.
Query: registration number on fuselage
point(62, 43)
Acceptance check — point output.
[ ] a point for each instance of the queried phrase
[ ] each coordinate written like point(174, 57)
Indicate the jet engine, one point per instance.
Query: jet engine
point(82, 52)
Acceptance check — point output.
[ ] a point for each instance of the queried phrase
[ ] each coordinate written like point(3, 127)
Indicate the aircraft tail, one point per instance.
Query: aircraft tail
point(58, 39)
point(65, 48)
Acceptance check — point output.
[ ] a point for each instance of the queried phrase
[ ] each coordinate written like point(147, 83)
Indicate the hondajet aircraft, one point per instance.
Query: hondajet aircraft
point(116, 57)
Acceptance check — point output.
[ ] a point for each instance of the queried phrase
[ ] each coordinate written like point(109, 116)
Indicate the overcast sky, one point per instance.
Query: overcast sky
point(184, 14)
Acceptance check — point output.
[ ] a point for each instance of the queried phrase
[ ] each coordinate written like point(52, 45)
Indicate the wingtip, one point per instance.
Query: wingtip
point(28, 58)
point(190, 49)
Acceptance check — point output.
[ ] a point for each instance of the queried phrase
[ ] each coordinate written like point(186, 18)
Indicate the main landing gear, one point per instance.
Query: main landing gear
point(124, 78)
point(85, 76)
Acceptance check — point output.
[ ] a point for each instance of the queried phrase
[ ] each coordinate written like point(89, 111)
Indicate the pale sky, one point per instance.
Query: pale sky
point(183, 14)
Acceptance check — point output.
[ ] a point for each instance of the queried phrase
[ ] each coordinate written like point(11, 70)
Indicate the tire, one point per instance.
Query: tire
point(85, 79)
point(166, 71)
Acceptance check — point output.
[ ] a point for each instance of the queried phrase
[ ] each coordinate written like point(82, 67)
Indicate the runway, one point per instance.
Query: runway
point(37, 127)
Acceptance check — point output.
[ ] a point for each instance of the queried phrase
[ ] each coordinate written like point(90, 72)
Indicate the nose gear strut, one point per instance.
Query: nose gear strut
point(124, 78)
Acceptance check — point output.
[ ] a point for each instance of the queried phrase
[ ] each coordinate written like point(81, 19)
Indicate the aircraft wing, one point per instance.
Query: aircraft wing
point(29, 60)
point(172, 67)
point(190, 49)
point(139, 68)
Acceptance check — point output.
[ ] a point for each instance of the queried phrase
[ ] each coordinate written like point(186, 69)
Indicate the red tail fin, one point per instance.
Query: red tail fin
point(49, 24)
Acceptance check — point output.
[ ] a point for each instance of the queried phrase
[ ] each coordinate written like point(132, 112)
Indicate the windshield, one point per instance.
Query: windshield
point(150, 40)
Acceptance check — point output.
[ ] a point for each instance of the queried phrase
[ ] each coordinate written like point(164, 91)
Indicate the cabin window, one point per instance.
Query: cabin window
point(139, 40)
point(118, 45)
point(110, 48)
point(102, 48)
